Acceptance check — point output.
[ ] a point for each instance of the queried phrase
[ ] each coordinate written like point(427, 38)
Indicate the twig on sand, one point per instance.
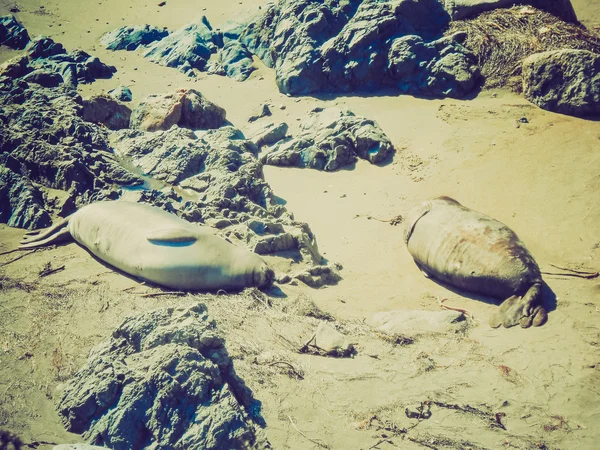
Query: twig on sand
point(295, 371)
point(158, 294)
point(393, 221)
point(314, 441)
point(304, 348)
point(49, 271)
point(18, 257)
point(11, 251)
point(588, 274)
point(453, 308)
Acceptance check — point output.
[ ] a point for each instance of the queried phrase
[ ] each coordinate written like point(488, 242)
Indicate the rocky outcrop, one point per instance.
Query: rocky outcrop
point(163, 380)
point(563, 81)
point(121, 93)
point(349, 46)
point(329, 140)
point(188, 47)
point(105, 110)
point(185, 107)
point(464, 9)
point(130, 38)
point(233, 60)
point(21, 203)
point(45, 140)
point(74, 67)
point(12, 33)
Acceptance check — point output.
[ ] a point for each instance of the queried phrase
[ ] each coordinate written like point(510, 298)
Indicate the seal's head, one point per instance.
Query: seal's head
point(263, 276)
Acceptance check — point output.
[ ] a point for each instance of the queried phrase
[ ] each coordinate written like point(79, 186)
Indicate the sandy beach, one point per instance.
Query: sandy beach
point(534, 170)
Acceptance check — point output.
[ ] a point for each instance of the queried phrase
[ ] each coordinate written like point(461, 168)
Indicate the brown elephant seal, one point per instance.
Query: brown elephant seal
point(474, 252)
point(152, 244)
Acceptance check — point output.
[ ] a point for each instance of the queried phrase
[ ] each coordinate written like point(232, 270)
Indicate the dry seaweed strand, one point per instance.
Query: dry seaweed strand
point(503, 38)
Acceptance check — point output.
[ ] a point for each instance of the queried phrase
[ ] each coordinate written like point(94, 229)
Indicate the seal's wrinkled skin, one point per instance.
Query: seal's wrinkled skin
point(152, 244)
point(474, 252)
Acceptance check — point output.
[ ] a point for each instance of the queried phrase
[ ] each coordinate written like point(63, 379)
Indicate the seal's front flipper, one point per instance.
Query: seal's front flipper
point(172, 237)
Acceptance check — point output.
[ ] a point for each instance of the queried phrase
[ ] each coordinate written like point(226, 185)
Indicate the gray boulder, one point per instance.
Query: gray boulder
point(44, 77)
point(331, 139)
point(74, 67)
point(269, 134)
point(21, 203)
point(121, 93)
point(163, 380)
point(185, 107)
point(12, 33)
point(463, 9)
point(563, 81)
point(130, 38)
point(346, 46)
point(105, 110)
point(235, 60)
point(191, 45)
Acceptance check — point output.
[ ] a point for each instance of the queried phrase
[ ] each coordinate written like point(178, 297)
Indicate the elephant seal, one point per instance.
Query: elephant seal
point(152, 244)
point(474, 252)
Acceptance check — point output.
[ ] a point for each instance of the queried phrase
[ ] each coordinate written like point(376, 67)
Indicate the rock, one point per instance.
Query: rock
point(130, 38)
point(70, 153)
point(270, 134)
point(563, 81)
point(235, 60)
point(345, 47)
point(185, 107)
point(15, 68)
point(163, 380)
point(409, 322)
point(331, 341)
point(44, 78)
point(121, 93)
point(463, 9)
point(263, 111)
point(21, 203)
point(318, 276)
point(43, 47)
point(442, 68)
point(74, 67)
point(102, 109)
point(12, 33)
point(192, 44)
point(331, 139)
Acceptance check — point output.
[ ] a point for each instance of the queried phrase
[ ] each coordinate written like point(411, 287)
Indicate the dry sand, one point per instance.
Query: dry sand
point(541, 178)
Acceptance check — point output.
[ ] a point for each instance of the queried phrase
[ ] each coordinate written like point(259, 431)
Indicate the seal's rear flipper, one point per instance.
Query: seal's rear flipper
point(37, 236)
point(524, 311)
point(61, 236)
point(498, 317)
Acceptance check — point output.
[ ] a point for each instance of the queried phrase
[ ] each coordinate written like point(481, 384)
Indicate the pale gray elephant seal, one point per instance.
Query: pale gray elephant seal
point(157, 246)
point(474, 252)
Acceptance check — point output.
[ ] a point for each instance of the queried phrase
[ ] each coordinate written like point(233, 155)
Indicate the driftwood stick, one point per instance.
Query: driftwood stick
point(45, 273)
point(587, 274)
point(158, 294)
point(18, 257)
